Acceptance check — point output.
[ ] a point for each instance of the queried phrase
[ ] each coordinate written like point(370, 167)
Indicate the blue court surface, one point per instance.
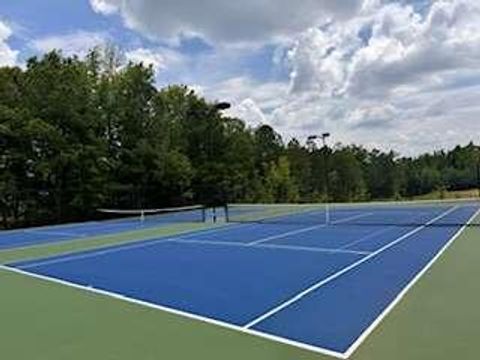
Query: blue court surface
point(321, 287)
point(13, 239)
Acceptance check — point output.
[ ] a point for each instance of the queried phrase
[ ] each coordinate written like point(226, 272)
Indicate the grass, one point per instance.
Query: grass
point(438, 320)
point(441, 195)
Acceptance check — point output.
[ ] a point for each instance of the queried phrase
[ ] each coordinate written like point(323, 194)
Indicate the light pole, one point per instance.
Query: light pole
point(222, 106)
point(324, 137)
point(478, 169)
point(219, 106)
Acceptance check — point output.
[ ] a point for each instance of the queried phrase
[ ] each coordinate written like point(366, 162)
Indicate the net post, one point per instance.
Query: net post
point(142, 217)
point(478, 172)
point(214, 213)
point(204, 214)
point(227, 215)
point(327, 213)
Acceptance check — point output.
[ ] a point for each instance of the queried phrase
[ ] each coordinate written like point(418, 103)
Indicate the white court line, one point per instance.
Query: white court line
point(51, 227)
point(223, 227)
point(190, 232)
point(75, 255)
point(404, 292)
point(283, 235)
point(376, 233)
point(312, 249)
point(95, 253)
point(366, 237)
point(300, 231)
point(270, 246)
point(208, 242)
point(345, 270)
point(119, 248)
point(177, 312)
point(222, 324)
point(53, 233)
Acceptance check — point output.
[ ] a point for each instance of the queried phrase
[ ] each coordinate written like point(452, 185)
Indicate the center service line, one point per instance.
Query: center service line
point(347, 269)
point(300, 231)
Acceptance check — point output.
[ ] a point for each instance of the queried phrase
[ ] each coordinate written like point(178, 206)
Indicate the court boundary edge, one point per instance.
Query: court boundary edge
point(345, 355)
point(313, 288)
point(375, 324)
point(177, 312)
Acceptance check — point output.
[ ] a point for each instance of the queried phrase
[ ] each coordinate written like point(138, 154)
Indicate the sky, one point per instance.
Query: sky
point(388, 74)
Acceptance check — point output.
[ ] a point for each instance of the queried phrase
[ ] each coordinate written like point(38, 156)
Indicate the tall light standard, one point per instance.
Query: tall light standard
point(222, 106)
point(324, 137)
point(478, 169)
point(219, 106)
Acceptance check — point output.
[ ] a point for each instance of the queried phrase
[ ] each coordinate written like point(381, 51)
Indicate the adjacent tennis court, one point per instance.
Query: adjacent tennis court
point(15, 239)
point(295, 274)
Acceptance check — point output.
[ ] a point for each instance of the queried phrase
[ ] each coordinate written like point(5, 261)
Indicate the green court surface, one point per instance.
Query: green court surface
point(49, 249)
point(437, 320)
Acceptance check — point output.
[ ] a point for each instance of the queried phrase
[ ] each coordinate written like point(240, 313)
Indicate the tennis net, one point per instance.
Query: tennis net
point(429, 213)
point(185, 214)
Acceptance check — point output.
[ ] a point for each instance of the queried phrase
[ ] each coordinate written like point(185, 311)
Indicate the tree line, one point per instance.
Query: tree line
point(80, 134)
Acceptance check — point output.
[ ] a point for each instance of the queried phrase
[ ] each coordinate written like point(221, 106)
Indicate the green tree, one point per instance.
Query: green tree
point(382, 175)
point(346, 178)
point(78, 134)
point(301, 168)
point(268, 147)
point(279, 183)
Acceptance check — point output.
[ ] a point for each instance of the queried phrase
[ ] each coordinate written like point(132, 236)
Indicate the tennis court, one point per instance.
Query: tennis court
point(276, 272)
point(14, 239)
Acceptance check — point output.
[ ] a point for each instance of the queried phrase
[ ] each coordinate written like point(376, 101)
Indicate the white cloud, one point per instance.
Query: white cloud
point(103, 7)
point(160, 59)
point(236, 90)
point(416, 123)
point(372, 72)
point(8, 56)
point(403, 47)
point(77, 43)
point(372, 116)
point(249, 110)
point(251, 100)
point(389, 77)
point(219, 21)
